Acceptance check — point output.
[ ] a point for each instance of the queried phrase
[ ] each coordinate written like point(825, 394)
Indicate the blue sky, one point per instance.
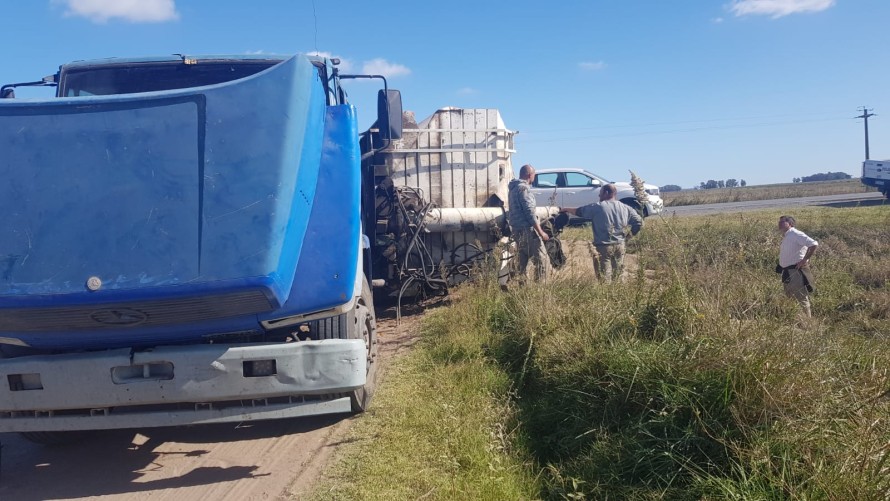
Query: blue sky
point(678, 91)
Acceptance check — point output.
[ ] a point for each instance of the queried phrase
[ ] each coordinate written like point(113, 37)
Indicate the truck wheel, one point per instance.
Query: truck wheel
point(360, 323)
point(365, 327)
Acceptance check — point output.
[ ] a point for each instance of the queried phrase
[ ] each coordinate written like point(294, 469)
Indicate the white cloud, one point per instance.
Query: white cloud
point(383, 67)
point(467, 91)
point(717, 20)
point(589, 66)
point(134, 11)
point(778, 8)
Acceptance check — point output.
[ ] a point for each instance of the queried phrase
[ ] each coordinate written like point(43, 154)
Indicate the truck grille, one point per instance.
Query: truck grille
point(136, 314)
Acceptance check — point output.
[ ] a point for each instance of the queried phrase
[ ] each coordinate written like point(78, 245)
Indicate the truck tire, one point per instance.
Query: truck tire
point(360, 323)
point(365, 327)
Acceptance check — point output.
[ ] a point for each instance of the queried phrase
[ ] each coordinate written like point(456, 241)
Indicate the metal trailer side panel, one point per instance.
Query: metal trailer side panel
point(458, 158)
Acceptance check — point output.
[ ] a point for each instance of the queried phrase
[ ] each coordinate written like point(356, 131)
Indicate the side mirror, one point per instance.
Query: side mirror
point(7, 93)
point(389, 113)
point(595, 183)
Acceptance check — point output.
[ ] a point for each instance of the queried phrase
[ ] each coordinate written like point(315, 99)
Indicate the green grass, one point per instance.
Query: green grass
point(698, 383)
point(764, 192)
point(442, 427)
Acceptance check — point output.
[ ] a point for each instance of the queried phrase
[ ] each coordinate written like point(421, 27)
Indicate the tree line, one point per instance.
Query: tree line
point(710, 184)
point(827, 176)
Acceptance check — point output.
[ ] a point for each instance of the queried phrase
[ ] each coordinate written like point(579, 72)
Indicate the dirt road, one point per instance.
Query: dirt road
point(260, 461)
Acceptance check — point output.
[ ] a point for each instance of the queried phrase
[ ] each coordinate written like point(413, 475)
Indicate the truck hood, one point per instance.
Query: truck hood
point(144, 197)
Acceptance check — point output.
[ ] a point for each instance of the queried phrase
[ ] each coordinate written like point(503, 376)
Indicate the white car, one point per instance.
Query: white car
point(576, 187)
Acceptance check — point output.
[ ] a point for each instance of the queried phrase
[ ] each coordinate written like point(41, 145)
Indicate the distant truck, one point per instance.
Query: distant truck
point(877, 173)
point(192, 240)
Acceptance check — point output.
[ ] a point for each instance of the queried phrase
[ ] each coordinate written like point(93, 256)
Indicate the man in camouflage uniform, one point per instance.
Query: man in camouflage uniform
point(526, 228)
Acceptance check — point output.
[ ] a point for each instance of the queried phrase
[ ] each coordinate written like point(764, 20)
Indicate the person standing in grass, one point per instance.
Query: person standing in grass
point(794, 262)
point(611, 219)
point(527, 231)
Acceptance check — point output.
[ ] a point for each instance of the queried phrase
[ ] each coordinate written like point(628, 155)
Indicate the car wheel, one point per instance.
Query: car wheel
point(635, 205)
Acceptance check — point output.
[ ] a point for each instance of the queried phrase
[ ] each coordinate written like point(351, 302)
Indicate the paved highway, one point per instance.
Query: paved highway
point(846, 200)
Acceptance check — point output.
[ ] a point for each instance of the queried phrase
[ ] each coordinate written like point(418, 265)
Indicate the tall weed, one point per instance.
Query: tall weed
point(696, 379)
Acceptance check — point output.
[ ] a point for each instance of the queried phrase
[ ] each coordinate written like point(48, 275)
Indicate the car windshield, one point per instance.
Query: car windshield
point(149, 77)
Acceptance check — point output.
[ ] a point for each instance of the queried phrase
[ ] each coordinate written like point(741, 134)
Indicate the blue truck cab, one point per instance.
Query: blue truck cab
point(182, 243)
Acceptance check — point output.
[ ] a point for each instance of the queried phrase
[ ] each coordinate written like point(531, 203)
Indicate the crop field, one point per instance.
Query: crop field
point(764, 192)
point(693, 378)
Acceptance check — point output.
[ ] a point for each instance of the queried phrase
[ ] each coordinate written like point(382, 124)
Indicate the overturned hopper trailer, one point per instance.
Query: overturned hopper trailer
point(440, 200)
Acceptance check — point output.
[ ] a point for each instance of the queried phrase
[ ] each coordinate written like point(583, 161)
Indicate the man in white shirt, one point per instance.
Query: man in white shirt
point(794, 259)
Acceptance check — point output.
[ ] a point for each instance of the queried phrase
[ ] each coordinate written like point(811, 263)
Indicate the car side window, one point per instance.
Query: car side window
point(577, 180)
point(547, 180)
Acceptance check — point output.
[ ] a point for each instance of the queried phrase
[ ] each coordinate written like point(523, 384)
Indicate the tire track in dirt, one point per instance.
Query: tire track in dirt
point(266, 460)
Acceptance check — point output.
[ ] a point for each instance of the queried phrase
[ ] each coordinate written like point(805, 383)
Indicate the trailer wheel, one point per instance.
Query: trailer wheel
point(365, 327)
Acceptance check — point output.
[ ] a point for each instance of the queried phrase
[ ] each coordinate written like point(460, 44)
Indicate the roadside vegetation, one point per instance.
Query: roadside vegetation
point(693, 379)
point(764, 192)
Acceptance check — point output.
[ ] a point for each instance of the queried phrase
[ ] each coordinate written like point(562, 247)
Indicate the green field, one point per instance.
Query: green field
point(695, 379)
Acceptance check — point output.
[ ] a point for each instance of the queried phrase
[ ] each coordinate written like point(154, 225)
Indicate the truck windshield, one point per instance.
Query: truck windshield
point(150, 77)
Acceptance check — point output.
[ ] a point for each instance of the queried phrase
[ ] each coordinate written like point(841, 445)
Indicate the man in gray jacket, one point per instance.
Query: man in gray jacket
point(610, 218)
point(526, 228)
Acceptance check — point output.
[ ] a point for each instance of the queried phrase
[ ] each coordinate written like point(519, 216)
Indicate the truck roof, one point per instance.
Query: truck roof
point(174, 58)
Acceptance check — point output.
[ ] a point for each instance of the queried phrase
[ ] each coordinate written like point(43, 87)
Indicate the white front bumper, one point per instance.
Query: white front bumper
point(117, 389)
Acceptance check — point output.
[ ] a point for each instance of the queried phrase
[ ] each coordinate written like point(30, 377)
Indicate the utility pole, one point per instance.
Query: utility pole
point(865, 114)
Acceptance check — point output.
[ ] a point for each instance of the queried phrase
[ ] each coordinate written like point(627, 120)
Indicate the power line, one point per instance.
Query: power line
point(678, 131)
point(679, 122)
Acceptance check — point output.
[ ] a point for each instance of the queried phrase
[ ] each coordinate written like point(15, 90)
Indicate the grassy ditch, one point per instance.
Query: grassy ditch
point(764, 192)
point(442, 427)
point(693, 380)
